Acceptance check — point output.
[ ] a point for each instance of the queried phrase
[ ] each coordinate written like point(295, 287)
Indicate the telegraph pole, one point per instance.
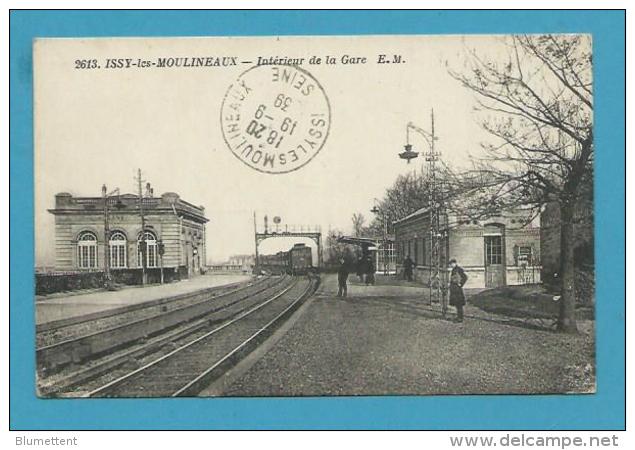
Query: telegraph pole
point(256, 265)
point(385, 244)
point(107, 275)
point(142, 244)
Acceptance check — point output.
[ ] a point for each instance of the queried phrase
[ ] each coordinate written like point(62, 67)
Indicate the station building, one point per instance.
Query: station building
point(245, 262)
point(174, 233)
point(235, 263)
point(501, 250)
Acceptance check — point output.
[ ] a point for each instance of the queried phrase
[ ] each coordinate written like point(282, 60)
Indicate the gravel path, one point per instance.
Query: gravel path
point(385, 340)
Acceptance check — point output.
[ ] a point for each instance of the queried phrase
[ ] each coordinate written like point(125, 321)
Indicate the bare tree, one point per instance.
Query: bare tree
point(538, 105)
point(407, 194)
point(410, 193)
point(358, 224)
point(335, 250)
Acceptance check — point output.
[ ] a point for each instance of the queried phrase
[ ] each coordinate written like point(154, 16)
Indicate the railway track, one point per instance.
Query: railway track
point(50, 333)
point(194, 361)
point(78, 349)
point(76, 379)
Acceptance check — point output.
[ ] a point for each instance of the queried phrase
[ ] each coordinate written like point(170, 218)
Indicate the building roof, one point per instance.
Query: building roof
point(417, 213)
point(363, 240)
point(455, 216)
point(168, 202)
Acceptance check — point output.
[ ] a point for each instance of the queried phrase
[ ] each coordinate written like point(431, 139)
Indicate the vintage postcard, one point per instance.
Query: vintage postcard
point(314, 216)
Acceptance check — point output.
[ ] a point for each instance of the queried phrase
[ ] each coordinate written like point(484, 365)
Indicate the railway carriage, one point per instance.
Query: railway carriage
point(274, 264)
point(300, 259)
point(297, 261)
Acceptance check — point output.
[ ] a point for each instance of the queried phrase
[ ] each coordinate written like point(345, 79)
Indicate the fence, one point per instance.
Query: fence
point(52, 282)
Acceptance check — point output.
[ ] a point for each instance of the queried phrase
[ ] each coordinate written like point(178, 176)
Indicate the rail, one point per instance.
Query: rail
point(175, 385)
point(79, 349)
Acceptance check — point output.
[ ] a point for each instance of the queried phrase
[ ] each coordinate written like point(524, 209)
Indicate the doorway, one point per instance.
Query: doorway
point(494, 259)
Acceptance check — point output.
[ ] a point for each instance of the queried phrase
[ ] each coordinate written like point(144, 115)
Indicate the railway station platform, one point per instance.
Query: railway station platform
point(55, 308)
point(387, 340)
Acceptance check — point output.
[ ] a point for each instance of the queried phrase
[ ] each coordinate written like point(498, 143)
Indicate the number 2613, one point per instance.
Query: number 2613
point(86, 64)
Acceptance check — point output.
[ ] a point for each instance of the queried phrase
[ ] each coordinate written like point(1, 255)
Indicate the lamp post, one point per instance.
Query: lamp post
point(143, 248)
point(376, 210)
point(107, 275)
point(161, 251)
point(437, 285)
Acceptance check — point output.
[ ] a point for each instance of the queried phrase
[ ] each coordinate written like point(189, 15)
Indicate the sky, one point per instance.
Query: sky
point(95, 127)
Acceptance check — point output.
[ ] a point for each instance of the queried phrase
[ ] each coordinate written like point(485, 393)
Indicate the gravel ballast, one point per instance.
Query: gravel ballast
point(387, 340)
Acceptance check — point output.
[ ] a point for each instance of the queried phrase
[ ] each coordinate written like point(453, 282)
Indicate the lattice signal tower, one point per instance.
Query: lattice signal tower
point(435, 201)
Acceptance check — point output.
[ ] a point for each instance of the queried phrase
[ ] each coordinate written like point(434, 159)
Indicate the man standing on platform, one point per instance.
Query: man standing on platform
point(458, 278)
point(360, 269)
point(342, 277)
point(408, 264)
point(369, 269)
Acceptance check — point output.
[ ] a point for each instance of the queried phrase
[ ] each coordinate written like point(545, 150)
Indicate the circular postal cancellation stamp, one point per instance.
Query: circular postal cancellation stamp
point(275, 118)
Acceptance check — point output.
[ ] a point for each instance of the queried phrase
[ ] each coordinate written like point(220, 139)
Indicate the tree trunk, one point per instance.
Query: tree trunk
point(566, 317)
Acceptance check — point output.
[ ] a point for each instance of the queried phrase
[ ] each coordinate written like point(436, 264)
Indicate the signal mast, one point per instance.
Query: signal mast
point(436, 280)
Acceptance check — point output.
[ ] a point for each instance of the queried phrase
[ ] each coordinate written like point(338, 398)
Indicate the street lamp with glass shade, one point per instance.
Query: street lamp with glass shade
point(408, 153)
point(435, 206)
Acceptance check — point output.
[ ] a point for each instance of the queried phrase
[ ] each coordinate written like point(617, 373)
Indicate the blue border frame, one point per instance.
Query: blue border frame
point(604, 410)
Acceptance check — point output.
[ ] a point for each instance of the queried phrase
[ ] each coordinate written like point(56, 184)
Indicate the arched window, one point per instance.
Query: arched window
point(87, 250)
point(117, 250)
point(151, 249)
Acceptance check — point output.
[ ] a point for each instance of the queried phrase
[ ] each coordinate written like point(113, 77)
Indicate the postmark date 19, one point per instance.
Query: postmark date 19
point(262, 126)
point(275, 119)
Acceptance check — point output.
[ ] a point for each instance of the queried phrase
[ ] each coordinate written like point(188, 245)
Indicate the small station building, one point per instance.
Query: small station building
point(498, 251)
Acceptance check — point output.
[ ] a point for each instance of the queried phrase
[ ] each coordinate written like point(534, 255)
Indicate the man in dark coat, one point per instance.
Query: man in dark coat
point(360, 268)
point(458, 278)
point(408, 264)
point(342, 277)
point(369, 270)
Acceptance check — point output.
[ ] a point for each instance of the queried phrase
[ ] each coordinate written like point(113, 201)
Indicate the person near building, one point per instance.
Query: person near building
point(408, 264)
point(360, 269)
point(342, 277)
point(369, 269)
point(458, 278)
